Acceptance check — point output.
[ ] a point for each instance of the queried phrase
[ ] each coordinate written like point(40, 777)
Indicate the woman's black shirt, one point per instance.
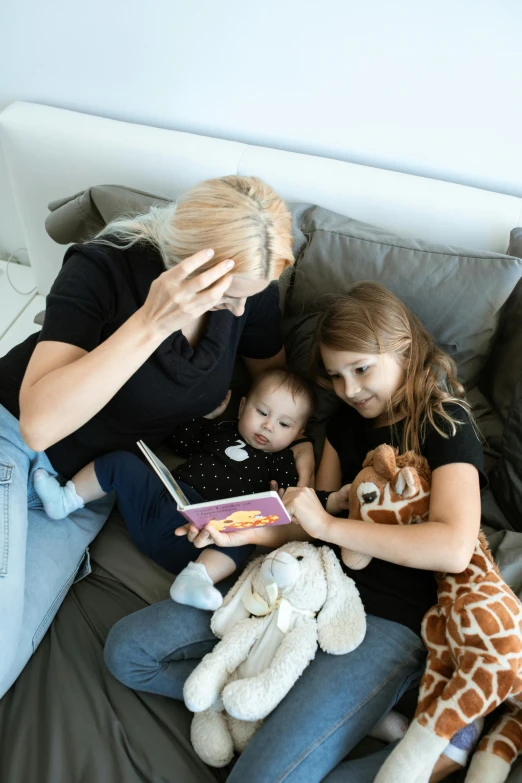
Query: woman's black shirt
point(97, 290)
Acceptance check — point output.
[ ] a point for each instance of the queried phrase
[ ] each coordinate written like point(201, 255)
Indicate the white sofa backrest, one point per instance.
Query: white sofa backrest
point(51, 153)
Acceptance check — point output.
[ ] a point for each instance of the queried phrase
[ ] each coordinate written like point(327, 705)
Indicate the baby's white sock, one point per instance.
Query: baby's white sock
point(393, 726)
point(194, 587)
point(58, 501)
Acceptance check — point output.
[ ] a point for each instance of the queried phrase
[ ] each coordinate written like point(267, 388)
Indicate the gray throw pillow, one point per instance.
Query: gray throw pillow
point(80, 217)
point(457, 293)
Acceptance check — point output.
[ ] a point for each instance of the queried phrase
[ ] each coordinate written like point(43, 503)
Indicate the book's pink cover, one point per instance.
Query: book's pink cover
point(239, 514)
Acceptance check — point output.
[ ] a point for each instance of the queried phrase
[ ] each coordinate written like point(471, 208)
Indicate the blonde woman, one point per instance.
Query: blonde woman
point(141, 331)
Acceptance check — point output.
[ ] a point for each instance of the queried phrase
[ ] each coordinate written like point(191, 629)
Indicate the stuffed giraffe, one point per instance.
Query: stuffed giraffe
point(473, 635)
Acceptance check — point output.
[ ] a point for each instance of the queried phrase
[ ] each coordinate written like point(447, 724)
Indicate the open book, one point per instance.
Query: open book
point(257, 510)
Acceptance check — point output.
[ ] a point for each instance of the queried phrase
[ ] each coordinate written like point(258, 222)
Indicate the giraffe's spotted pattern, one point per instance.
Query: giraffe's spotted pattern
point(474, 633)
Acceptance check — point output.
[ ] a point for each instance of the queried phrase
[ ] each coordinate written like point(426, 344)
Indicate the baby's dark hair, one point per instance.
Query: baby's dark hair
point(297, 385)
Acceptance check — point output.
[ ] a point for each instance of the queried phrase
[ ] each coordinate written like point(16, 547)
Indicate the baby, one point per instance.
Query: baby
point(224, 460)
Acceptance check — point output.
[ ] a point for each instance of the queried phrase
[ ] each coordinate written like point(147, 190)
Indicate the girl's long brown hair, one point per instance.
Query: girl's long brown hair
point(370, 319)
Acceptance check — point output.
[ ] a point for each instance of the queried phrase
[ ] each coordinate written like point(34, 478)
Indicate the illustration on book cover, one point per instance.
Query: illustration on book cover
point(239, 520)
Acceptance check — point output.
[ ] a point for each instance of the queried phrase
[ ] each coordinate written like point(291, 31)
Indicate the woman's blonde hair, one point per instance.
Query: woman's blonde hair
point(370, 319)
point(238, 217)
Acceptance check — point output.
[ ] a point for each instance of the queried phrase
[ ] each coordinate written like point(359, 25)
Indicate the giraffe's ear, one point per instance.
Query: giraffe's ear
point(384, 461)
point(407, 483)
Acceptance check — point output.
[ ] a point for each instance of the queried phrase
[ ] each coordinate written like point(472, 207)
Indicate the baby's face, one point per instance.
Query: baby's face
point(270, 419)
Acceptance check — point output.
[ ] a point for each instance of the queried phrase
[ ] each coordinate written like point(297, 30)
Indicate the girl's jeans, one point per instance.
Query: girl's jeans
point(333, 705)
point(39, 558)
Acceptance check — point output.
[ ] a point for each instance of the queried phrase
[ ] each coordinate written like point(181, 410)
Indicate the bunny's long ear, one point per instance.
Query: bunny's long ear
point(341, 623)
point(233, 610)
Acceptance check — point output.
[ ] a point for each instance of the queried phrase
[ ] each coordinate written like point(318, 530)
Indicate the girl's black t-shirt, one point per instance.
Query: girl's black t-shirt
point(389, 590)
point(98, 289)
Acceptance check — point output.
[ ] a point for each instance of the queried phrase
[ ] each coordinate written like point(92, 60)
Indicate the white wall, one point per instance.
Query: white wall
point(412, 85)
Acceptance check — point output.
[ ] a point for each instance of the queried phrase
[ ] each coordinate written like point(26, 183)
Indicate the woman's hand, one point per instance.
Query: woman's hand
point(339, 501)
point(209, 535)
point(305, 510)
point(64, 386)
point(175, 299)
point(221, 408)
point(304, 463)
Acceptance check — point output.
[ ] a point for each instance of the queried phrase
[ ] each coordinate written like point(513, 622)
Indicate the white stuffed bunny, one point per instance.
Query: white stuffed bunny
point(282, 606)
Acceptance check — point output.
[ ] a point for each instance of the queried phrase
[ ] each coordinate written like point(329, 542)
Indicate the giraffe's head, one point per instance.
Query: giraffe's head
point(389, 490)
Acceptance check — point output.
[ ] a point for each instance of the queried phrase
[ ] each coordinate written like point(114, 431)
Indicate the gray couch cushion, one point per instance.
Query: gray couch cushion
point(457, 293)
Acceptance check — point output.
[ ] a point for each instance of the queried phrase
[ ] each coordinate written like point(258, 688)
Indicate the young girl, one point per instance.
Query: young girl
point(398, 388)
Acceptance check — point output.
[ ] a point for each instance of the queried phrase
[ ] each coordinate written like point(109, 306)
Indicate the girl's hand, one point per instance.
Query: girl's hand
point(221, 408)
point(304, 463)
point(305, 509)
point(175, 299)
point(339, 501)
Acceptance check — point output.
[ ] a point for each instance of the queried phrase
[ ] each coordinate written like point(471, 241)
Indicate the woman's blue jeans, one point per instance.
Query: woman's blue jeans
point(39, 558)
point(333, 705)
